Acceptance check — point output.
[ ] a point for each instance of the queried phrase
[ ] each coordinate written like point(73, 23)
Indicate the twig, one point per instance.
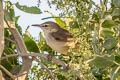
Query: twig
point(7, 72)
point(113, 76)
point(8, 56)
point(9, 40)
point(55, 60)
point(1, 76)
point(43, 66)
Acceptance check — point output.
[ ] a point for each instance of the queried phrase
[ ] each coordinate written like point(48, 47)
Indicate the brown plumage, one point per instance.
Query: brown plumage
point(57, 38)
point(62, 35)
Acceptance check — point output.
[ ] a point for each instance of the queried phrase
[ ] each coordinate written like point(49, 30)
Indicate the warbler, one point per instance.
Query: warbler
point(57, 38)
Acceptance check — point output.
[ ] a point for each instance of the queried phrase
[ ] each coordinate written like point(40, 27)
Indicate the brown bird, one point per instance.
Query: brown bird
point(57, 38)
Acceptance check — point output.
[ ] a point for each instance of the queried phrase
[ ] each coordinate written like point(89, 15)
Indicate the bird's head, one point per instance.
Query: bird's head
point(48, 27)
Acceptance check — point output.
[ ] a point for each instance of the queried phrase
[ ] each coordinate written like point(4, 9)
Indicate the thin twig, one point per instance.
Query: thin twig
point(7, 72)
point(8, 56)
point(9, 40)
point(55, 60)
point(43, 66)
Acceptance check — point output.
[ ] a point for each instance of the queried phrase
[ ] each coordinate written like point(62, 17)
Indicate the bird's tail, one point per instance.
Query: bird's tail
point(74, 44)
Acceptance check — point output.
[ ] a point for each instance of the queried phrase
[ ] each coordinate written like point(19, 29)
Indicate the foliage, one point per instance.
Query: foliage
point(98, 30)
point(32, 10)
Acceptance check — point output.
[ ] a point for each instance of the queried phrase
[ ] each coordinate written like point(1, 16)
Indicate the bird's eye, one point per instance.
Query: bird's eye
point(45, 25)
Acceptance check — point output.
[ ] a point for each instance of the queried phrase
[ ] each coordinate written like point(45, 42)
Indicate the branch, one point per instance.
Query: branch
point(9, 40)
point(21, 48)
point(55, 60)
point(1, 28)
point(1, 76)
point(7, 72)
point(1, 33)
point(43, 66)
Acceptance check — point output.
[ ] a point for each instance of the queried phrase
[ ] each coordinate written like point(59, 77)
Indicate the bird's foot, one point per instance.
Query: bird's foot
point(49, 57)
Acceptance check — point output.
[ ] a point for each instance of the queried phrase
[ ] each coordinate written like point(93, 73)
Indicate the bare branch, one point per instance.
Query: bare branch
point(1, 28)
point(9, 40)
point(43, 66)
point(7, 72)
point(55, 60)
point(1, 76)
point(21, 48)
point(1, 33)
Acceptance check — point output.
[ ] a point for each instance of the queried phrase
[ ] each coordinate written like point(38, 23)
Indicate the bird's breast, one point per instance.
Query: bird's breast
point(56, 45)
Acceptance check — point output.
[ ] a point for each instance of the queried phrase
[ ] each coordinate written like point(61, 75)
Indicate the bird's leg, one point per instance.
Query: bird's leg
point(49, 57)
point(67, 67)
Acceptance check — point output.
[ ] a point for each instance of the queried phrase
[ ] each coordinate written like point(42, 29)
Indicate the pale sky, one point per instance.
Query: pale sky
point(28, 19)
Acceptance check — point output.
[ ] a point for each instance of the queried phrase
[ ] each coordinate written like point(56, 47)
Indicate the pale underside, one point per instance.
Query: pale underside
point(58, 46)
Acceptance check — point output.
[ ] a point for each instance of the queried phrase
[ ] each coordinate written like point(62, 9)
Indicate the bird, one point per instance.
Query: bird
point(58, 38)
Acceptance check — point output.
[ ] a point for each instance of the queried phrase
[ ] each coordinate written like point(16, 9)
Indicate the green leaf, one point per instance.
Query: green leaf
point(17, 25)
point(46, 18)
point(31, 44)
point(115, 73)
point(60, 22)
point(107, 32)
point(110, 42)
point(108, 24)
point(6, 32)
point(102, 61)
point(61, 77)
point(116, 12)
point(98, 73)
point(6, 64)
point(116, 3)
point(95, 17)
point(33, 10)
point(17, 18)
point(117, 59)
point(73, 24)
point(9, 12)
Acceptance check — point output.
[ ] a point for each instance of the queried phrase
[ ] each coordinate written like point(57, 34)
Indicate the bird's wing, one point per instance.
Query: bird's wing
point(63, 36)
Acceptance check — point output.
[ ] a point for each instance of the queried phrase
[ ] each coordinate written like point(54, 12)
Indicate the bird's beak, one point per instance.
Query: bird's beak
point(38, 25)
